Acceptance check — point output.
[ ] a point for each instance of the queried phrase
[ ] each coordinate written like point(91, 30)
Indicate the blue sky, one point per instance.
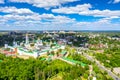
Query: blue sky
point(59, 14)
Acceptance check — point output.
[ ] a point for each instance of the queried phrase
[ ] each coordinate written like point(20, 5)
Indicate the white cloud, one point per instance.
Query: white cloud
point(23, 18)
point(20, 17)
point(73, 10)
point(14, 10)
point(18, 14)
point(44, 3)
point(85, 9)
point(101, 13)
point(116, 1)
point(35, 17)
point(101, 24)
point(28, 19)
point(1, 1)
point(56, 19)
point(24, 13)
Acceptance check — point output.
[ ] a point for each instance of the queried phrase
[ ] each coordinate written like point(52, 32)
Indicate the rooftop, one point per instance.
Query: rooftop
point(74, 61)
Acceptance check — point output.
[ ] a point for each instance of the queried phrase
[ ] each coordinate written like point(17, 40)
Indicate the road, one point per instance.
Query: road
point(102, 67)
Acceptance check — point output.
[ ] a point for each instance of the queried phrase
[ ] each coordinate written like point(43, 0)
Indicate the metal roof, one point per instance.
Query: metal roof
point(74, 61)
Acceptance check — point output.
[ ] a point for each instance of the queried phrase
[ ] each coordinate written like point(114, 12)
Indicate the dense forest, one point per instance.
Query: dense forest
point(37, 69)
point(110, 57)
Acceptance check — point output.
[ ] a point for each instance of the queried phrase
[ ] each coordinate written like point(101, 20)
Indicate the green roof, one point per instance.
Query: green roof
point(30, 52)
point(51, 55)
point(35, 51)
point(74, 61)
point(21, 49)
point(55, 43)
point(43, 59)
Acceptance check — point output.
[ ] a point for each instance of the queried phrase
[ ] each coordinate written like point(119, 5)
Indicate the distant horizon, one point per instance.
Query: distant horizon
point(69, 30)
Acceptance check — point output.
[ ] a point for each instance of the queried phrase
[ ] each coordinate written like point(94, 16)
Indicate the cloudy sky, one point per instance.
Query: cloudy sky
point(59, 14)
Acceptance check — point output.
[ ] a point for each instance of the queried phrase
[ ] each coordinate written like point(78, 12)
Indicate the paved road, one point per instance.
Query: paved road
point(102, 67)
